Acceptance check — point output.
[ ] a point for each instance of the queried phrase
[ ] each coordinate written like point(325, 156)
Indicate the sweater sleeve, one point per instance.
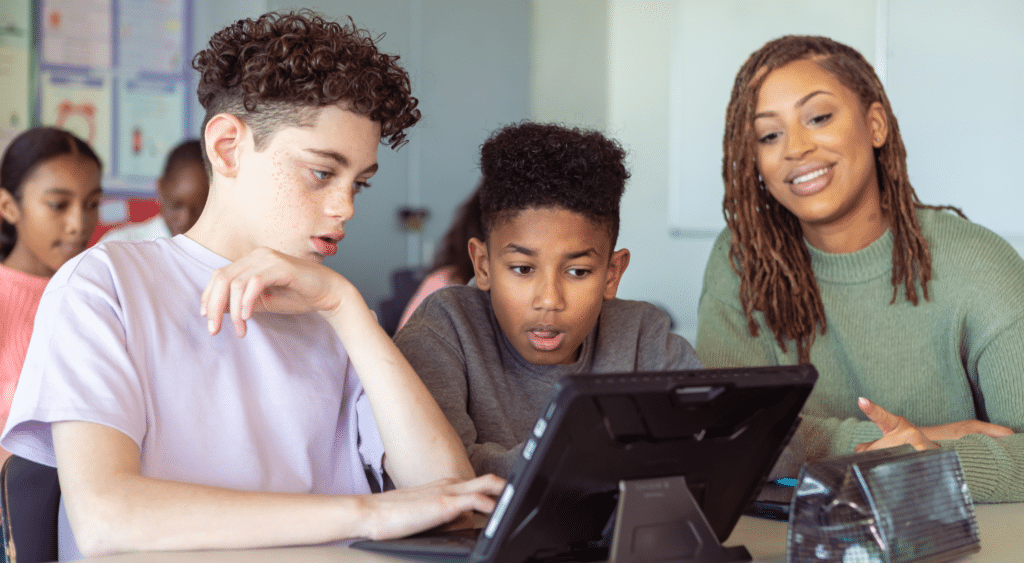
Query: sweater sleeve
point(430, 344)
point(994, 467)
point(723, 336)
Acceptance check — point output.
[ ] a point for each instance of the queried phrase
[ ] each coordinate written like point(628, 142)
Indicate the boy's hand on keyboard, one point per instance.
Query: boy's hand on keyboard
point(402, 512)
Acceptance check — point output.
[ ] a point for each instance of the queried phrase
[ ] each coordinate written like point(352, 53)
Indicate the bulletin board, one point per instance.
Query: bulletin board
point(116, 73)
point(15, 69)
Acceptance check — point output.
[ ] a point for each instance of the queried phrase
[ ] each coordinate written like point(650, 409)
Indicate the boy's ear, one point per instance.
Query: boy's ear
point(481, 263)
point(223, 140)
point(9, 209)
point(616, 266)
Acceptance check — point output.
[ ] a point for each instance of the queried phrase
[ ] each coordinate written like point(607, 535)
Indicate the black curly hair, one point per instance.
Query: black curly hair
point(278, 69)
point(536, 165)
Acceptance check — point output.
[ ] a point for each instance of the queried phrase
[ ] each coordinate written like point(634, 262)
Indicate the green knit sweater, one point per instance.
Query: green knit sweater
point(957, 356)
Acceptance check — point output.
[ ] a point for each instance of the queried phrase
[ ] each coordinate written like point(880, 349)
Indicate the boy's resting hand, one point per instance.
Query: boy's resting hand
point(266, 280)
point(402, 512)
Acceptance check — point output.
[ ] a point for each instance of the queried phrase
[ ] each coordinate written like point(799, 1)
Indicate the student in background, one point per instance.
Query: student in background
point(49, 203)
point(181, 192)
point(452, 265)
point(829, 258)
point(170, 433)
point(544, 305)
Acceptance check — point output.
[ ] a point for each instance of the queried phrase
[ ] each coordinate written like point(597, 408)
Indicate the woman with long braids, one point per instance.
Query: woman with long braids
point(913, 315)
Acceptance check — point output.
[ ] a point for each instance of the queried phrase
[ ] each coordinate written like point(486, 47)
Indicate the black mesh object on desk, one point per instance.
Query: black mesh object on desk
point(888, 506)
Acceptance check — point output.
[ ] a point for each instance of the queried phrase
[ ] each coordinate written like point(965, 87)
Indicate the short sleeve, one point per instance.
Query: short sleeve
point(77, 366)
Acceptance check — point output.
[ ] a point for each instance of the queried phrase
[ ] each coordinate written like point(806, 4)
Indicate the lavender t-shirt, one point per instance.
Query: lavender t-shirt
point(118, 340)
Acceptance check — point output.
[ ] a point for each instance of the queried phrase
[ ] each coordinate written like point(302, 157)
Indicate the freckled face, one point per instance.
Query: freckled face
point(182, 196)
point(298, 191)
point(549, 270)
point(58, 211)
point(815, 149)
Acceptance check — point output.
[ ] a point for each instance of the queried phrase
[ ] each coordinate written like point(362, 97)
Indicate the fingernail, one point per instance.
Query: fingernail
point(210, 326)
point(863, 402)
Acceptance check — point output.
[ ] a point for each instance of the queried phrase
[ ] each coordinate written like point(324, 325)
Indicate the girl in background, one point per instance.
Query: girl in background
point(49, 203)
point(452, 265)
point(830, 258)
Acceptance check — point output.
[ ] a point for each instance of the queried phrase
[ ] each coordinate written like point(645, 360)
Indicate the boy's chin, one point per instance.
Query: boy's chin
point(548, 357)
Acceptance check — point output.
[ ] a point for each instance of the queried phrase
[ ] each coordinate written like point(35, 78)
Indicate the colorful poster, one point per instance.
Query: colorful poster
point(149, 125)
point(81, 105)
point(15, 39)
point(77, 33)
point(151, 37)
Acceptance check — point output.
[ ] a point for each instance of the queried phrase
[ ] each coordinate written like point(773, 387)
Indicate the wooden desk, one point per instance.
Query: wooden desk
point(1002, 527)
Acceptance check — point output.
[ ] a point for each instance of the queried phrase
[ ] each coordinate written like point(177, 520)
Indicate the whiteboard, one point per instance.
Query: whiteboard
point(954, 72)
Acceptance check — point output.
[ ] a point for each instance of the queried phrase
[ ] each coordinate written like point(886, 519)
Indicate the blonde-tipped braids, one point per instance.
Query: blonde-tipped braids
point(767, 249)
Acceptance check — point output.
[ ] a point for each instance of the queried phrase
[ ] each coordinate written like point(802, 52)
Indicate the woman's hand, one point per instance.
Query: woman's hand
point(896, 430)
point(955, 430)
point(266, 280)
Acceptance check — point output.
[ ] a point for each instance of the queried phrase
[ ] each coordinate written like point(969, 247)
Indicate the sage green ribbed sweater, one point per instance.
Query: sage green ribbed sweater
point(956, 357)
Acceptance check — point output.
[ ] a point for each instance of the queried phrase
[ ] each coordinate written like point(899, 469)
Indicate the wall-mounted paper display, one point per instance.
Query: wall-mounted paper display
point(15, 73)
point(149, 125)
point(76, 33)
point(80, 104)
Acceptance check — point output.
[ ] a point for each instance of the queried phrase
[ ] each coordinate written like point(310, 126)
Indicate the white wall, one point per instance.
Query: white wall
point(569, 58)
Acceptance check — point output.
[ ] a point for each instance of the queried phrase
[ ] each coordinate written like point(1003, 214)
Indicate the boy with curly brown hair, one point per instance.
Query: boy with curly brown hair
point(169, 433)
point(544, 305)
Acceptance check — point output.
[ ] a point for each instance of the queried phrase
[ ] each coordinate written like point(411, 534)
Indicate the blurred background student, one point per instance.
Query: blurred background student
point(181, 191)
point(452, 265)
point(49, 203)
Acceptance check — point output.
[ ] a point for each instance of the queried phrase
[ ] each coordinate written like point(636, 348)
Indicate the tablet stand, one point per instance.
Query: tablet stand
point(659, 520)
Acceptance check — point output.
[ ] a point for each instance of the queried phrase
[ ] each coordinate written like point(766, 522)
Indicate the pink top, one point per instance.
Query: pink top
point(441, 277)
point(19, 298)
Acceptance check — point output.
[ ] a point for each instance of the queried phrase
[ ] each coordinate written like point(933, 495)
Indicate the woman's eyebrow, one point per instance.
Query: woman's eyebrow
point(799, 103)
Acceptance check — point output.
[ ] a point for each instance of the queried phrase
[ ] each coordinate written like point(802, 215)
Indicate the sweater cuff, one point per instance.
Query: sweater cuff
point(981, 459)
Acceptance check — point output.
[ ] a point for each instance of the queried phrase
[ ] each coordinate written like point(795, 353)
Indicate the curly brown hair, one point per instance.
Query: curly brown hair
point(532, 165)
point(767, 249)
point(278, 69)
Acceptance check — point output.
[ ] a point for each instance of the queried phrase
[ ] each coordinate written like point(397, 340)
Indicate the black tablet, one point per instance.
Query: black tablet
point(642, 466)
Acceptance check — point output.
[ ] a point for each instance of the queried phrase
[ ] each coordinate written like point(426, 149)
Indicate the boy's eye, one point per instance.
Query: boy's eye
point(522, 270)
point(578, 272)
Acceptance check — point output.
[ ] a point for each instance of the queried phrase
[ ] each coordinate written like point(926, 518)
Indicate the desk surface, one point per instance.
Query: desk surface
point(1001, 528)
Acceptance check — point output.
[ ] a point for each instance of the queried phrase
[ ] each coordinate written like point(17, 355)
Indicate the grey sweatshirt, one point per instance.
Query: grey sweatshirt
point(491, 394)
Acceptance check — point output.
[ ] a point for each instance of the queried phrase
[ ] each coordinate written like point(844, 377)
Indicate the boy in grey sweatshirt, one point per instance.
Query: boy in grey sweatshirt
point(544, 304)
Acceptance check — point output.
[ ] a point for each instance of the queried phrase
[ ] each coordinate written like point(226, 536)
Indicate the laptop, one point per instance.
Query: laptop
point(634, 466)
